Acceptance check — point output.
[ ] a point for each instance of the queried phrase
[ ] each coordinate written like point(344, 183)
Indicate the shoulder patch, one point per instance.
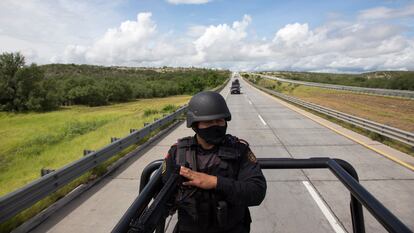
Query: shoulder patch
point(251, 157)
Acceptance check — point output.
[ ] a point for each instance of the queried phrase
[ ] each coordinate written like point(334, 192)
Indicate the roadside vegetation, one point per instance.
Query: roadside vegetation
point(46, 121)
point(32, 141)
point(48, 87)
point(398, 80)
point(49, 114)
point(54, 139)
point(392, 111)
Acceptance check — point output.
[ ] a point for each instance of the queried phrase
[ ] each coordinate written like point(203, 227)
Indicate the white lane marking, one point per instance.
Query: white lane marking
point(328, 215)
point(247, 98)
point(260, 117)
point(228, 92)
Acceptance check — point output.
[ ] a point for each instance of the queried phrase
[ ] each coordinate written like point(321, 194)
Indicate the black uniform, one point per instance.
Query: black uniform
point(240, 183)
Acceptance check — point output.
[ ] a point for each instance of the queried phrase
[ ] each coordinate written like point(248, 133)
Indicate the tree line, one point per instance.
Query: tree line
point(42, 88)
point(397, 80)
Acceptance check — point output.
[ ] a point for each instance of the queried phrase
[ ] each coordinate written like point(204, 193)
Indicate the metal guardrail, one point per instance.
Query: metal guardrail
point(366, 90)
point(21, 199)
point(385, 130)
point(28, 195)
point(345, 172)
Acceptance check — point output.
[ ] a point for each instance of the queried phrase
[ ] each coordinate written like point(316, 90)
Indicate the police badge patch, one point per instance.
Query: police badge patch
point(251, 157)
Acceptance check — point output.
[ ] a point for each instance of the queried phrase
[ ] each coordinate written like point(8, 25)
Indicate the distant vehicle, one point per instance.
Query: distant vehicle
point(235, 87)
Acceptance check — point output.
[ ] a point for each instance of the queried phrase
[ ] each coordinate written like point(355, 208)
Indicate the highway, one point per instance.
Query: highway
point(296, 200)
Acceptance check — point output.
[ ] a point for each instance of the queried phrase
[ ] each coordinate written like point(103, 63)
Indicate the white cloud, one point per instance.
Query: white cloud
point(196, 30)
point(357, 46)
point(176, 2)
point(130, 40)
point(132, 43)
point(48, 26)
point(387, 13)
point(222, 42)
point(72, 53)
point(293, 34)
point(337, 46)
point(53, 36)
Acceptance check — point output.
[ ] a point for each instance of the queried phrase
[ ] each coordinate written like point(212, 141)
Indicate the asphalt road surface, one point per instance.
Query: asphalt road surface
point(296, 200)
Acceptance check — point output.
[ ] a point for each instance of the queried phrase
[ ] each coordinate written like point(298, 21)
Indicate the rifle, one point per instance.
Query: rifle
point(159, 209)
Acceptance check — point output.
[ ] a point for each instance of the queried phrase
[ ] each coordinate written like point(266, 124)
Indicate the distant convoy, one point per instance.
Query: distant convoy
point(235, 87)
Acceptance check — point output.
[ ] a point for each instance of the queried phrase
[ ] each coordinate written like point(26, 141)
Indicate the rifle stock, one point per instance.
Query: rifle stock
point(159, 209)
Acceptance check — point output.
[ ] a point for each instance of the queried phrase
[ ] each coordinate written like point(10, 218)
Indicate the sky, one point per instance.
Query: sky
point(317, 36)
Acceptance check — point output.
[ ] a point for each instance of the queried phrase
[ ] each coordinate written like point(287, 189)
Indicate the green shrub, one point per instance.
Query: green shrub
point(149, 112)
point(169, 108)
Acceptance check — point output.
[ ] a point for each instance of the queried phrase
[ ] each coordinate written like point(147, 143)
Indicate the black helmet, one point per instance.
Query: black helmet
point(206, 106)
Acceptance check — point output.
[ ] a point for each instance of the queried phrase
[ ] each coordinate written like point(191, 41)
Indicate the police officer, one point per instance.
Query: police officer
point(222, 176)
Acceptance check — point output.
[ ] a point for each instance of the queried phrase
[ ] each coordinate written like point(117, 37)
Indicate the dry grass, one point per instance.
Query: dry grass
point(395, 112)
point(392, 111)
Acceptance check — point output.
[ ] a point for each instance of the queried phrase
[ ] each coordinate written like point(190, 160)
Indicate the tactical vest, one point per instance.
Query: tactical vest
point(206, 210)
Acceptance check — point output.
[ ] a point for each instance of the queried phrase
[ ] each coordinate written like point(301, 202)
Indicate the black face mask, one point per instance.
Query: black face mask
point(212, 135)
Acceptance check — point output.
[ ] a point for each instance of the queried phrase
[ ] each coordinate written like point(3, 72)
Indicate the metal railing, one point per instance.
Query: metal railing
point(366, 90)
point(385, 130)
point(344, 171)
point(23, 198)
point(28, 195)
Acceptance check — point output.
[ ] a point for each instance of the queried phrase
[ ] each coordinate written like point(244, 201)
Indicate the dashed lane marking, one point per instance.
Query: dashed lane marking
point(260, 117)
point(247, 98)
point(322, 206)
point(380, 152)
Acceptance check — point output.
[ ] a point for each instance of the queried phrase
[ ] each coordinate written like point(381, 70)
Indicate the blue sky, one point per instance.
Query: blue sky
point(338, 36)
point(268, 15)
